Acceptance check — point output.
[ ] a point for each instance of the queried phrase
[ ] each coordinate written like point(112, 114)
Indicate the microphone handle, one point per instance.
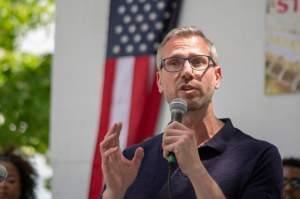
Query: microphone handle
point(175, 116)
point(171, 158)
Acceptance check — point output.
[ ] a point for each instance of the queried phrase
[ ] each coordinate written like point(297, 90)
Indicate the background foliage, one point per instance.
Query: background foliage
point(24, 77)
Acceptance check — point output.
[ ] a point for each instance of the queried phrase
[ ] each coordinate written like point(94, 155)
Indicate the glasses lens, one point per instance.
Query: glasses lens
point(199, 62)
point(174, 63)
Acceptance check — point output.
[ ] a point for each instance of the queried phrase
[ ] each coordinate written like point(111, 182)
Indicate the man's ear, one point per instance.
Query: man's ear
point(218, 75)
point(158, 81)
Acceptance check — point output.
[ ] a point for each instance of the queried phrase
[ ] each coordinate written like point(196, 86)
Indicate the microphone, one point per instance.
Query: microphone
point(178, 108)
point(3, 173)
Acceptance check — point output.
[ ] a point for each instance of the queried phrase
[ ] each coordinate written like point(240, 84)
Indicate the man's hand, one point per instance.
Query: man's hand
point(119, 172)
point(182, 142)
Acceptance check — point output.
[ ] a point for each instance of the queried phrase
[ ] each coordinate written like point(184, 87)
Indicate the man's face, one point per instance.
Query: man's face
point(196, 87)
point(290, 173)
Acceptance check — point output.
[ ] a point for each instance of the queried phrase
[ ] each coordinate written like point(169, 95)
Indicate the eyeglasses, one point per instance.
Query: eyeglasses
point(293, 182)
point(197, 62)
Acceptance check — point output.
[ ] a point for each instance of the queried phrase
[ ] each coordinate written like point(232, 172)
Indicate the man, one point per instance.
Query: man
point(291, 176)
point(214, 159)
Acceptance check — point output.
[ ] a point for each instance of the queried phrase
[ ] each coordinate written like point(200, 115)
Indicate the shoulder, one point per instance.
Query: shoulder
point(253, 145)
point(246, 148)
point(260, 155)
point(235, 140)
point(260, 163)
point(265, 168)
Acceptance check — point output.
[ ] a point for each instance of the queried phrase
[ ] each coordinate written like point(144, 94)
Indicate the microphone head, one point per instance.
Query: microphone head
point(178, 104)
point(3, 173)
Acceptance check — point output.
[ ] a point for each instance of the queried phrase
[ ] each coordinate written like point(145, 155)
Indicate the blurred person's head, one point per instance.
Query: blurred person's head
point(20, 182)
point(291, 175)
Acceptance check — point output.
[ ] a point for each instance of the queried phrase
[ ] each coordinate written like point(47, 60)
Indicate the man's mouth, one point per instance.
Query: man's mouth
point(187, 87)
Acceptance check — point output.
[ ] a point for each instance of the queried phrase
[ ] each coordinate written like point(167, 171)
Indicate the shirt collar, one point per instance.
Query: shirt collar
point(219, 141)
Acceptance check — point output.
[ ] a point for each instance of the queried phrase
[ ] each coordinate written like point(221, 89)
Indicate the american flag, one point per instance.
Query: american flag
point(130, 92)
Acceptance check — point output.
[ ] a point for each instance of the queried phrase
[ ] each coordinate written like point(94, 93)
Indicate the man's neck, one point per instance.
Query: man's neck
point(204, 123)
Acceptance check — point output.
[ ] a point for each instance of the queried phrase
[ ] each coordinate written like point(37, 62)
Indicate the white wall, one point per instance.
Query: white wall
point(236, 27)
point(76, 88)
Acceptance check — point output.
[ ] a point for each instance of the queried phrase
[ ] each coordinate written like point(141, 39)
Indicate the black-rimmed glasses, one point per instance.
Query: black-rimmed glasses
point(293, 182)
point(197, 62)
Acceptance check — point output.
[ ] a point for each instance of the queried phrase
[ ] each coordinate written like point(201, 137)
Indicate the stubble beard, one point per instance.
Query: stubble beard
point(199, 104)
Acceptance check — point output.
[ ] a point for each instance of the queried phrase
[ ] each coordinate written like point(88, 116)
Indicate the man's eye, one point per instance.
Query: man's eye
point(174, 62)
point(199, 62)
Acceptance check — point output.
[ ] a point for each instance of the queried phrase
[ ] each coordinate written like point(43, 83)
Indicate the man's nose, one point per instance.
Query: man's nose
point(187, 72)
point(187, 67)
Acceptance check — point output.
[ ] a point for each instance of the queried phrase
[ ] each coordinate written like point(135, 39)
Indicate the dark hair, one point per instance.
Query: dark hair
point(293, 162)
point(26, 171)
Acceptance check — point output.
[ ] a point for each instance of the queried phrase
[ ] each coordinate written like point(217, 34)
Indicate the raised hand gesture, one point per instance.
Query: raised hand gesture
point(119, 172)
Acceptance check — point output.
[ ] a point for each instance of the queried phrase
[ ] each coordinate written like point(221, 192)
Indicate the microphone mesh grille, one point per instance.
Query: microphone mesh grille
point(178, 104)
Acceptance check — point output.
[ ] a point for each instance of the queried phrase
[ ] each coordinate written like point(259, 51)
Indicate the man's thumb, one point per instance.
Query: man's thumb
point(138, 156)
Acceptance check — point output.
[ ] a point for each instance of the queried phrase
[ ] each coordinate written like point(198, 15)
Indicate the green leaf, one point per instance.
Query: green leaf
point(24, 77)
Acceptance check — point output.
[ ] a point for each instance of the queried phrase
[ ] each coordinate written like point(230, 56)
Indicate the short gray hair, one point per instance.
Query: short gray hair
point(186, 31)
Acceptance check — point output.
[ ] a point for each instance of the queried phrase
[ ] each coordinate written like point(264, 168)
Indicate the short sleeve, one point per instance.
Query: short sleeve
point(266, 179)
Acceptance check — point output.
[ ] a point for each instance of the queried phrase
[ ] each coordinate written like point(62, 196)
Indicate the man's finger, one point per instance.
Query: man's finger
point(169, 148)
point(111, 130)
point(118, 131)
point(138, 157)
point(111, 138)
point(108, 142)
point(173, 132)
point(170, 140)
point(106, 155)
point(177, 125)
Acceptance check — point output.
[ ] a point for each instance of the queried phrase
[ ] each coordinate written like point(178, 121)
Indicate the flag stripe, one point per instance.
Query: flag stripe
point(122, 96)
point(96, 176)
point(150, 113)
point(140, 90)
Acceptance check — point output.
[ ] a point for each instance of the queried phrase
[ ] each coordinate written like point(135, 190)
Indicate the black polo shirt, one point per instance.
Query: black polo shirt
point(242, 166)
